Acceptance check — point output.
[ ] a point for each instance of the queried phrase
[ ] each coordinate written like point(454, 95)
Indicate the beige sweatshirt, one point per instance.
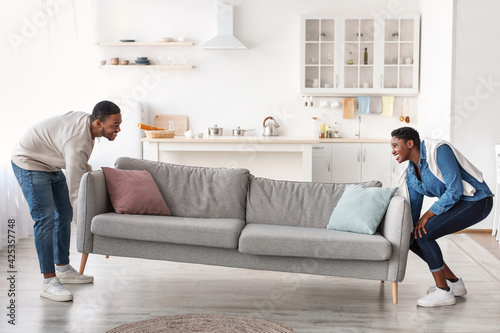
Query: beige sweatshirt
point(60, 142)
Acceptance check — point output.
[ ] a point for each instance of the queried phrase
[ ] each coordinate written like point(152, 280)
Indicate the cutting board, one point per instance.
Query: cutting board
point(348, 108)
point(180, 122)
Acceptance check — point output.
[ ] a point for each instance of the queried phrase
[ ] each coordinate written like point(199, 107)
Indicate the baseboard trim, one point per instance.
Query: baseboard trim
point(475, 231)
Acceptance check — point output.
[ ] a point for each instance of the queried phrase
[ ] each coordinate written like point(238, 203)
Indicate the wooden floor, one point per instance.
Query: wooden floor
point(127, 290)
point(488, 241)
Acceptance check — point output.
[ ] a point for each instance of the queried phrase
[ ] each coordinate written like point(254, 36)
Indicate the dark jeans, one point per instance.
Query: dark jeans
point(462, 215)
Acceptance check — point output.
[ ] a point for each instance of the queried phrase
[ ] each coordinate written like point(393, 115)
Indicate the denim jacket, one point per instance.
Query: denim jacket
point(449, 192)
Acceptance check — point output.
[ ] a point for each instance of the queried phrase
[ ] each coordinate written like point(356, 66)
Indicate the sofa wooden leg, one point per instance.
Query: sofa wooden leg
point(394, 292)
point(83, 262)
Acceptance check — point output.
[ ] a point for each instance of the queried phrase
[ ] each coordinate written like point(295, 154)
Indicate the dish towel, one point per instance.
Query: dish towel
point(364, 104)
point(387, 105)
point(348, 108)
point(376, 104)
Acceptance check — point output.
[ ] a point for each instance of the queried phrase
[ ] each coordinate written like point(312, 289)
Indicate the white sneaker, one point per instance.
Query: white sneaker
point(457, 287)
point(55, 291)
point(72, 276)
point(437, 297)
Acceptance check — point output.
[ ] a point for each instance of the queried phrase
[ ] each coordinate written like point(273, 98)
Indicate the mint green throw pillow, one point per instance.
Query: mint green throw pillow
point(360, 209)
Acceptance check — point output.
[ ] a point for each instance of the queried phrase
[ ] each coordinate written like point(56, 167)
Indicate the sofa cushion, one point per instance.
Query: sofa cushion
point(222, 233)
point(134, 192)
point(301, 204)
point(273, 240)
point(196, 191)
point(361, 209)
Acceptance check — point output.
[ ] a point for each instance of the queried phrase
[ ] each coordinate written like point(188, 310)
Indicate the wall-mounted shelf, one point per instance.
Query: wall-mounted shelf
point(146, 44)
point(149, 66)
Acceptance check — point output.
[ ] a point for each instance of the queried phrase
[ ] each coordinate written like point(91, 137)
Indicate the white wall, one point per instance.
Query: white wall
point(475, 121)
point(436, 50)
point(45, 65)
point(435, 71)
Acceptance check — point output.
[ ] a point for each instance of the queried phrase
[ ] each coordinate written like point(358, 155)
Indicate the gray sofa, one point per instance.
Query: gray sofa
point(228, 217)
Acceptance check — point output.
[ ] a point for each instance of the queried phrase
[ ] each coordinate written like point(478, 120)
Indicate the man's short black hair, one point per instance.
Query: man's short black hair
point(103, 110)
point(407, 133)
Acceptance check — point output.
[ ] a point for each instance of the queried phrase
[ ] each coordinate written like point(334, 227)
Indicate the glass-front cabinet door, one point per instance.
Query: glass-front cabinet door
point(358, 54)
point(401, 55)
point(319, 54)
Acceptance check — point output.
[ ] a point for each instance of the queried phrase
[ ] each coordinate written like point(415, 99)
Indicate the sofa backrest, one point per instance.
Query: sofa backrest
point(291, 203)
point(196, 191)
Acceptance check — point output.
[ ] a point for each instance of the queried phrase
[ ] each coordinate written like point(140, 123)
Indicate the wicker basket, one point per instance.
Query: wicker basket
point(160, 134)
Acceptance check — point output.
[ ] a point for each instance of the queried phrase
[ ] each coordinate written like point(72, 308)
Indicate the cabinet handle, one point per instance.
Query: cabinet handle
point(329, 165)
point(364, 154)
point(318, 147)
point(359, 153)
point(381, 80)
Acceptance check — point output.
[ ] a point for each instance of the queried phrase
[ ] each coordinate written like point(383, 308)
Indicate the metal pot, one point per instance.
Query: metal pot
point(215, 130)
point(271, 128)
point(239, 131)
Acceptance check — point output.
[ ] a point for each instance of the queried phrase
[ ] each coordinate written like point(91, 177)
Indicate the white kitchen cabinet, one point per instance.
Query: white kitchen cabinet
point(352, 162)
point(320, 51)
point(400, 55)
point(346, 161)
point(322, 163)
point(358, 55)
point(376, 162)
point(333, 53)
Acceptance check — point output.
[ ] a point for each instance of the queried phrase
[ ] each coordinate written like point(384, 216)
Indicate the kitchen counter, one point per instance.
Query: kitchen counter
point(354, 140)
point(264, 139)
point(277, 157)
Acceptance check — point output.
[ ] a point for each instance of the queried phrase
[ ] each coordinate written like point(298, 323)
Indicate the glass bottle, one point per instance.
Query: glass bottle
point(350, 61)
point(336, 130)
point(366, 57)
point(315, 127)
point(323, 127)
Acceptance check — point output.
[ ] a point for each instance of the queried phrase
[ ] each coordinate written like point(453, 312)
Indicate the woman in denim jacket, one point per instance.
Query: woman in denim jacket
point(437, 169)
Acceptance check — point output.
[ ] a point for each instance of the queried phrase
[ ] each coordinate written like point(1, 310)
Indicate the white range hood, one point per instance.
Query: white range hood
point(224, 40)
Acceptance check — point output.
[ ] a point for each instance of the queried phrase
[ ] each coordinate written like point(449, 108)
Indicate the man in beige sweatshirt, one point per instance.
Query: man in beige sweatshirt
point(60, 142)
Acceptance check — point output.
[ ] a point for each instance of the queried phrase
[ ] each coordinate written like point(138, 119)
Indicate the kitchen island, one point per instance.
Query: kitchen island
point(276, 157)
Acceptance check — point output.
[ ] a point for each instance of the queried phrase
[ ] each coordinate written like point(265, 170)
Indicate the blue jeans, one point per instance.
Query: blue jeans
point(462, 215)
point(50, 207)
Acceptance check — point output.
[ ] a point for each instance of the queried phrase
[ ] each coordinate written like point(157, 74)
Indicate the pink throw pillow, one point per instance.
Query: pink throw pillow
point(134, 192)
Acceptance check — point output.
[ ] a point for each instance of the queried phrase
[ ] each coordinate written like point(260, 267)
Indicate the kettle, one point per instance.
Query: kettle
point(271, 128)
